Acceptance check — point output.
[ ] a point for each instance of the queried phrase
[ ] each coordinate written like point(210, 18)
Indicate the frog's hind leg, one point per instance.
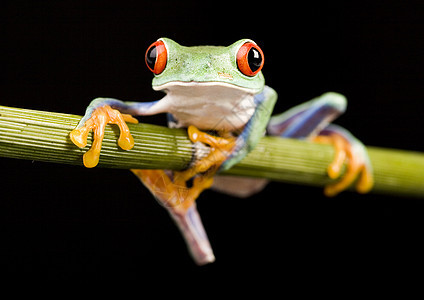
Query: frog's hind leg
point(179, 200)
point(173, 191)
point(311, 120)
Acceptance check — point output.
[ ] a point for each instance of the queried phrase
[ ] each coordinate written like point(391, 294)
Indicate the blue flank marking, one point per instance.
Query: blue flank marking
point(311, 119)
point(171, 118)
point(259, 98)
point(308, 121)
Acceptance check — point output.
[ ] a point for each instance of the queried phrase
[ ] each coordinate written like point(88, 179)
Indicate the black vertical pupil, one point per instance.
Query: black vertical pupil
point(151, 57)
point(254, 58)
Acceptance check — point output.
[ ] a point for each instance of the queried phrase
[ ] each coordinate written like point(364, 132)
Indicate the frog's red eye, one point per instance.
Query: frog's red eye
point(156, 56)
point(250, 59)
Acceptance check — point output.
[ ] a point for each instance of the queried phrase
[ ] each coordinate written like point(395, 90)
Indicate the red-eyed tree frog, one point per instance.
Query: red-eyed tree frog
point(220, 90)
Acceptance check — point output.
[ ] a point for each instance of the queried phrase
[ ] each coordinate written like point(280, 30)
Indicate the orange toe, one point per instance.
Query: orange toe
point(356, 167)
point(97, 122)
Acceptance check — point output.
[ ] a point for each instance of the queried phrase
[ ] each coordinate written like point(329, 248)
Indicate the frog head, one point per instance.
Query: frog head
point(237, 66)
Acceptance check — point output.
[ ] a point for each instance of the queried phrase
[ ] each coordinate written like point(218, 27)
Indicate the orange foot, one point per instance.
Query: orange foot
point(97, 122)
point(358, 168)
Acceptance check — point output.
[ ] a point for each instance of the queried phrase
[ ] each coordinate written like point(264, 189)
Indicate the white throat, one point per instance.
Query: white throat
point(209, 105)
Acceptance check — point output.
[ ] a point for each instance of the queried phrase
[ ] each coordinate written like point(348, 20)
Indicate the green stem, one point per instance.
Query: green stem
point(44, 136)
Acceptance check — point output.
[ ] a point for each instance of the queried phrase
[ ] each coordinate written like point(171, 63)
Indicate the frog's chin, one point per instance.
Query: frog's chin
point(206, 84)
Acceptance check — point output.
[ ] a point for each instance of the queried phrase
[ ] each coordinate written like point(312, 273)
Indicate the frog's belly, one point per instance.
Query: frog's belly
point(213, 115)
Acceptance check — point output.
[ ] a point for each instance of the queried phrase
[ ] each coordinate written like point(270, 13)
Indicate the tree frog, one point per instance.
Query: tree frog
point(219, 94)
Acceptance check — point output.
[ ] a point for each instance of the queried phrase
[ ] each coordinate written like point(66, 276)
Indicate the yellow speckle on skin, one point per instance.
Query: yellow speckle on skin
point(225, 75)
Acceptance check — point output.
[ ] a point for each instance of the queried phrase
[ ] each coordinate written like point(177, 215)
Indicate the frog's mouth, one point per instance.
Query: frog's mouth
point(206, 86)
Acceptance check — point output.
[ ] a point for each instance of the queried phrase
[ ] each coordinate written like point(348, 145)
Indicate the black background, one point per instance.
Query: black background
point(59, 221)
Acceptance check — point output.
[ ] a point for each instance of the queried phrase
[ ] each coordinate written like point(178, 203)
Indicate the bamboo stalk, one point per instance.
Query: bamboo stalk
point(44, 136)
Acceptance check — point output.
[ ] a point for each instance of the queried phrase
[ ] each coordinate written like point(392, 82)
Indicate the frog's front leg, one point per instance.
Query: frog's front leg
point(102, 111)
point(310, 120)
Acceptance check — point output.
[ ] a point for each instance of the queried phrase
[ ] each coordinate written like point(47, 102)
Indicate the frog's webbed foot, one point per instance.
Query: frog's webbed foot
point(97, 122)
point(358, 166)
